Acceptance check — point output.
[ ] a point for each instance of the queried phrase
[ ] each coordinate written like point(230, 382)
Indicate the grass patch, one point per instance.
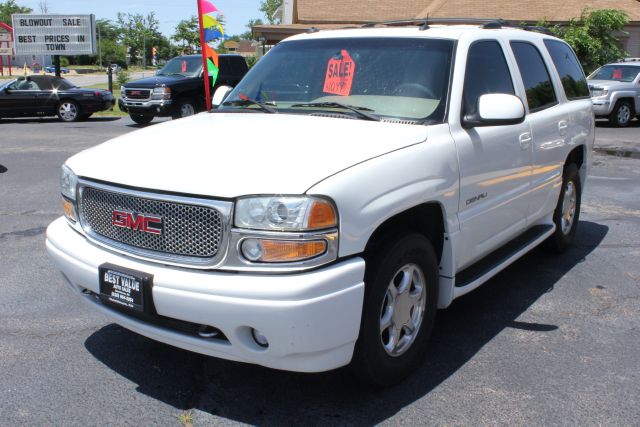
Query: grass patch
point(116, 94)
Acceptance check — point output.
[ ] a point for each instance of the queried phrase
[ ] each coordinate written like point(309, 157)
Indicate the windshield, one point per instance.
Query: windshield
point(386, 77)
point(620, 73)
point(6, 83)
point(182, 66)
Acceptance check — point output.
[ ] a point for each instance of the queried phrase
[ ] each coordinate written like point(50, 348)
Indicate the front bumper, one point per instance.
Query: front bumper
point(156, 108)
point(311, 319)
point(601, 107)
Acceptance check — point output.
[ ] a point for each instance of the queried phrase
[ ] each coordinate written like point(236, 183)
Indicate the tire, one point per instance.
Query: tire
point(622, 114)
point(379, 358)
point(68, 111)
point(567, 212)
point(141, 119)
point(186, 107)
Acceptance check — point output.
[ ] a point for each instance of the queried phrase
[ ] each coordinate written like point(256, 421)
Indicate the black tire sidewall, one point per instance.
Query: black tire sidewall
point(141, 119)
point(370, 362)
point(614, 114)
point(560, 241)
point(181, 103)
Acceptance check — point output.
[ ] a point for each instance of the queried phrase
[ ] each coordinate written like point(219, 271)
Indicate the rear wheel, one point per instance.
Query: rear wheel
point(141, 119)
point(567, 213)
point(68, 111)
point(399, 309)
point(622, 114)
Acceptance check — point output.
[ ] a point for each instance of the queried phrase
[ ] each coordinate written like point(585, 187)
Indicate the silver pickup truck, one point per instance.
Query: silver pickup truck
point(615, 92)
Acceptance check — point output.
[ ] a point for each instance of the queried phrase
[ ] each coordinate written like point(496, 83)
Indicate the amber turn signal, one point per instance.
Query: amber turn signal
point(321, 215)
point(69, 210)
point(259, 250)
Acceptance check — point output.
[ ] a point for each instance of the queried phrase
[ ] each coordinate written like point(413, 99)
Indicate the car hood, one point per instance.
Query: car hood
point(609, 84)
point(233, 154)
point(155, 81)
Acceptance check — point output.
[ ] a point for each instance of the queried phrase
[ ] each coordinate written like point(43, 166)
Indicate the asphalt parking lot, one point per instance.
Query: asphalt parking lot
point(551, 340)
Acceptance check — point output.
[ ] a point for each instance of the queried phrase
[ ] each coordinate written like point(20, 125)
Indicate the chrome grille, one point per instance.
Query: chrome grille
point(187, 230)
point(137, 93)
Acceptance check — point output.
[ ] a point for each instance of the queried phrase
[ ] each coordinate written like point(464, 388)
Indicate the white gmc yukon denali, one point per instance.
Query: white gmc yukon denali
point(354, 182)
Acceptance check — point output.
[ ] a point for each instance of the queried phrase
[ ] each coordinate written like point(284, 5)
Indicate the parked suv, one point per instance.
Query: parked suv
point(354, 182)
point(615, 92)
point(177, 90)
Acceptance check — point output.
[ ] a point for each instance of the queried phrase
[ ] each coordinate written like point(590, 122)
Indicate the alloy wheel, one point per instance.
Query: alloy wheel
point(402, 310)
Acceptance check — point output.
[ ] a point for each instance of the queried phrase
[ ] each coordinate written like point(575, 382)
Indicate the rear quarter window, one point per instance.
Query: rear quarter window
point(569, 69)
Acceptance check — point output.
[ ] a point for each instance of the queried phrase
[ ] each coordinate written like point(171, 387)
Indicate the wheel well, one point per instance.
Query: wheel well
point(576, 156)
point(426, 219)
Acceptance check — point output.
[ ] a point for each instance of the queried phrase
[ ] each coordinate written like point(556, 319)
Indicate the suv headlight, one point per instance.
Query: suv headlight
point(286, 230)
point(161, 93)
point(285, 213)
point(68, 188)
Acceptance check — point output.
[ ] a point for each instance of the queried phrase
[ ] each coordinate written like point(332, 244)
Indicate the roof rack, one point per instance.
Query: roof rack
point(536, 28)
point(488, 23)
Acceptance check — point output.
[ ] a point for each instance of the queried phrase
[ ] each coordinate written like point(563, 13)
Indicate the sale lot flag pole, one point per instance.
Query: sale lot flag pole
point(210, 29)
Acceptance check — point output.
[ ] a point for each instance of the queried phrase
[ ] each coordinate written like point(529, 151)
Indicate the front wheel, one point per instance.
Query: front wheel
point(68, 111)
point(186, 107)
point(400, 303)
point(567, 213)
point(141, 119)
point(622, 114)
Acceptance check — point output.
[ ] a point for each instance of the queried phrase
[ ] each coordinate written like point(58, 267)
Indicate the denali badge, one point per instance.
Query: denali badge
point(148, 224)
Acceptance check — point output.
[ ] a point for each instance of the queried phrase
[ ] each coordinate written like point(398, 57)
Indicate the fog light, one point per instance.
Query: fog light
point(260, 339)
point(252, 249)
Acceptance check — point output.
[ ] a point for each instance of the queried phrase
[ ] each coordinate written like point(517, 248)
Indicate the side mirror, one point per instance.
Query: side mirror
point(496, 109)
point(220, 95)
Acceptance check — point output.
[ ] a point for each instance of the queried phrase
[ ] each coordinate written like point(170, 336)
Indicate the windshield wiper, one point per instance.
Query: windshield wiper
point(249, 101)
point(360, 111)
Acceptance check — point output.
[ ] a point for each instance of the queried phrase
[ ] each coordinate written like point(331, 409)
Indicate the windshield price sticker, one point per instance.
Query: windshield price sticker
point(340, 72)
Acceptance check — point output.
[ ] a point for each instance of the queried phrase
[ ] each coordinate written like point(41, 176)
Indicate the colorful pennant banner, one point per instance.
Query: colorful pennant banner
point(210, 29)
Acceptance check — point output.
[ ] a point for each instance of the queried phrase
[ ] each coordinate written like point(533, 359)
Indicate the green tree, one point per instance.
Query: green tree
point(107, 29)
point(248, 35)
point(269, 7)
point(593, 36)
point(8, 8)
point(113, 52)
point(140, 34)
point(187, 34)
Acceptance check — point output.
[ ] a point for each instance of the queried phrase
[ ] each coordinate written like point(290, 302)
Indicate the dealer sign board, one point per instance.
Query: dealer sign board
point(54, 34)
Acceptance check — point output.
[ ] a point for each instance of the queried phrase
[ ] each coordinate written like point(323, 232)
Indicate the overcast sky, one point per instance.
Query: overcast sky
point(169, 12)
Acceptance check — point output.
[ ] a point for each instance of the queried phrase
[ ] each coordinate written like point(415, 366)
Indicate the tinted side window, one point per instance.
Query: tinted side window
point(535, 76)
point(487, 72)
point(569, 69)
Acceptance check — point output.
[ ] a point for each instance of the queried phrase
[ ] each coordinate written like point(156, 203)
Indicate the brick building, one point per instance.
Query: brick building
point(299, 15)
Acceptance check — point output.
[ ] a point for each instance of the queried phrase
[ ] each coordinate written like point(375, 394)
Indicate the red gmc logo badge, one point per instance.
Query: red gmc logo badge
point(135, 92)
point(137, 222)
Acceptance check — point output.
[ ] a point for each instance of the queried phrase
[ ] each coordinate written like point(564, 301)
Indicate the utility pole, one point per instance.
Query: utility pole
point(99, 49)
point(144, 51)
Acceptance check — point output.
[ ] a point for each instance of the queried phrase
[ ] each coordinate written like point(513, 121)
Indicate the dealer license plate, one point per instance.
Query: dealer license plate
point(123, 287)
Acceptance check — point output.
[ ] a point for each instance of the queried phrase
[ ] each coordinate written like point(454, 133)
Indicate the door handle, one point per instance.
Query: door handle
point(525, 140)
point(562, 127)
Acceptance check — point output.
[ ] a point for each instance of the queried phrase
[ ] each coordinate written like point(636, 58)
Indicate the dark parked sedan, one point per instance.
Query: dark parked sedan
point(50, 96)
